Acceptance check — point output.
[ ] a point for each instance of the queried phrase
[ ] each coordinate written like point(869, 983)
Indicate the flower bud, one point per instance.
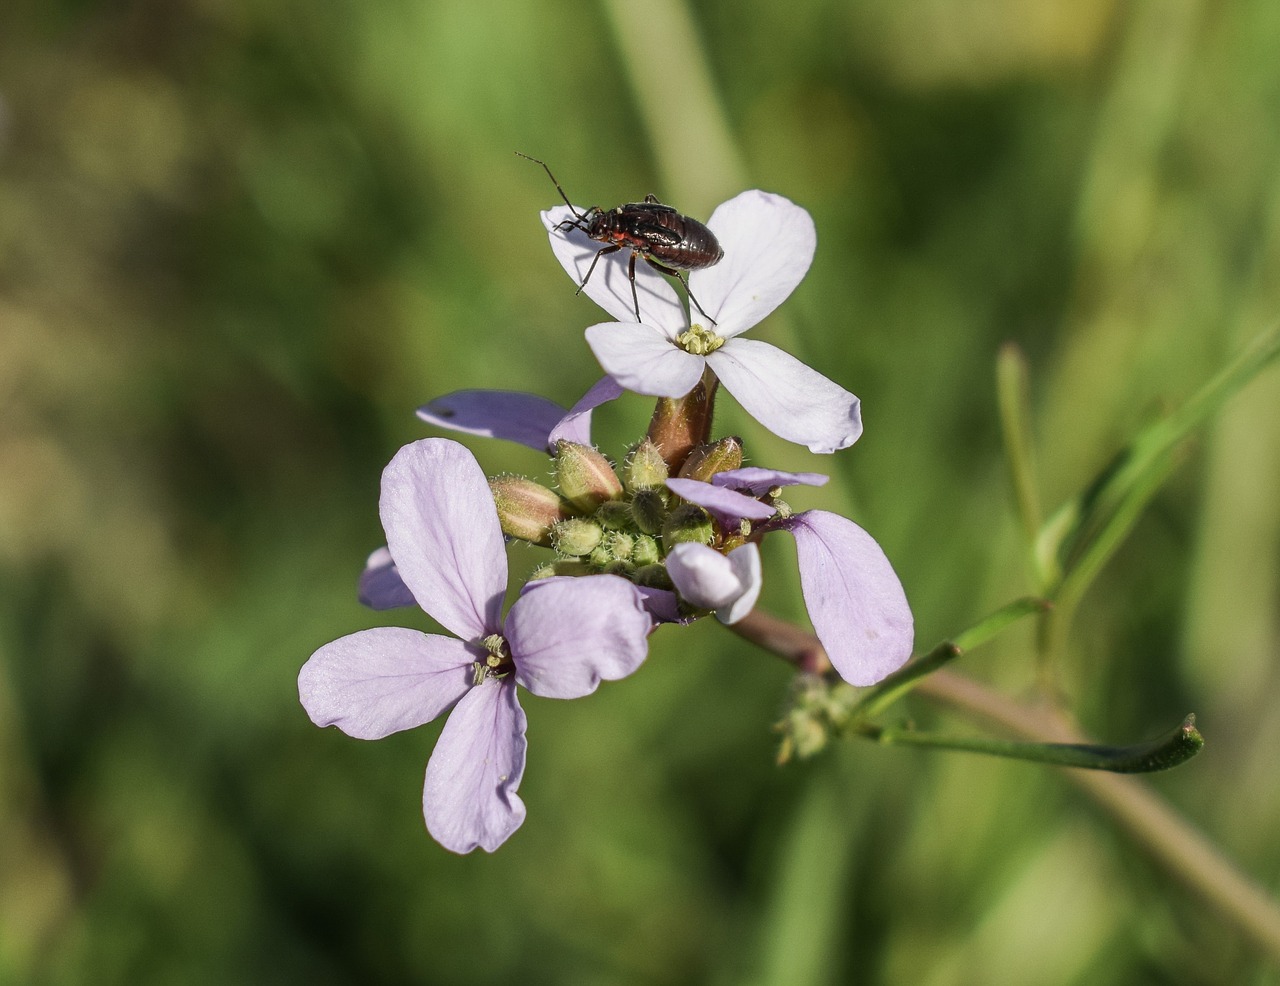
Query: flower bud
point(707, 460)
point(527, 510)
point(585, 477)
point(576, 536)
point(615, 516)
point(620, 544)
point(645, 551)
point(645, 468)
point(654, 577)
point(688, 522)
point(649, 511)
point(561, 566)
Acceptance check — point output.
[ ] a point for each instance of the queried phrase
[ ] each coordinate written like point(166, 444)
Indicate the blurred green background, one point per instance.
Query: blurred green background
point(241, 241)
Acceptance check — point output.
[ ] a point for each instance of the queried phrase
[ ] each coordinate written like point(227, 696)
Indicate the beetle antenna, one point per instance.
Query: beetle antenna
point(576, 214)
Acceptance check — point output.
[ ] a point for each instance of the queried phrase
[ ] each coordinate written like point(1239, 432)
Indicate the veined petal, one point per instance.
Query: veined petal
point(576, 425)
point(568, 634)
point(442, 530)
point(610, 282)
point(856, 603)
point(728, 506)
point(377, 682)
point(469, 799)
point(768, 244)
point(517, 417)
point(380, 584)
point(787, 397)
point(642, 360)
point(728, 584)
point(758, 481)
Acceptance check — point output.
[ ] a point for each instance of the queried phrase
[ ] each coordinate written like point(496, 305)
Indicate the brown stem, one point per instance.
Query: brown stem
point(1170, 839)
point(679, 424)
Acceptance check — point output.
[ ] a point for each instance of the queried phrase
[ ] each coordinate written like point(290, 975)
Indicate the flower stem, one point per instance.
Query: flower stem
point(1144, 758)
point(1168, 838)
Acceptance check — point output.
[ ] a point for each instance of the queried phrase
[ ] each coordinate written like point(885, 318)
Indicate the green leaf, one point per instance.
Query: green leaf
point(1084, 533)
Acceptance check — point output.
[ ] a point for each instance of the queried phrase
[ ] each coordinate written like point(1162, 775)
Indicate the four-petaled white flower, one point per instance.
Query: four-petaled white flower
point(768, 246)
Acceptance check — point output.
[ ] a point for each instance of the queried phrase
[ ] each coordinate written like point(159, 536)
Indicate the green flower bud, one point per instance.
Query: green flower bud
point(576, 536)
point(645, 468)
point(654, 577)
point(561, 566)
point(707, 460)
point(649, 511)
point(527, 510)
point(688, 522)
point(615, 516)
point(645, 550)
point(620, 544)
point(585, 477)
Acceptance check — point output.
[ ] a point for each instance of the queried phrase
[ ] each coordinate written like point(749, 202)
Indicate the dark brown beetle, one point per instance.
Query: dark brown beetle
point(668, 241)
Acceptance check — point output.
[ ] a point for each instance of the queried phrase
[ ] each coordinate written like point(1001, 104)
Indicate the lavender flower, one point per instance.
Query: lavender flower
point(768, 246)
point(559, 640)
point(855, 600)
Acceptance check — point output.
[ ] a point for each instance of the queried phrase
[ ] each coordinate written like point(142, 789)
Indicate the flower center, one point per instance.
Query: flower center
point(699, 341)
point(497, 661)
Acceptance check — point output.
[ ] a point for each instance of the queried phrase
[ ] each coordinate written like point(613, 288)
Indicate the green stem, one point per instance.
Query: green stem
point(1169, 839)
point(1144, 758)
point(879, 697)
point(1158, 829)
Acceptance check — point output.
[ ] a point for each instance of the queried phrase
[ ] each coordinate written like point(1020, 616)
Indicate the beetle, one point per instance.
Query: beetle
point(669, 242)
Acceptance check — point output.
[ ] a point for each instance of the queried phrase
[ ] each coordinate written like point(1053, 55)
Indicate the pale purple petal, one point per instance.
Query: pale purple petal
point(567, 634)
point(642, 360)
point(758, 481)
point(662, 604)
point(517, 417)
point(787, 397)
point(442, 529)
point(728, 584)
point(377, 682)
point(728, 506)
point(768, 244)
point(610, 283)
point(380, 584)
point(855, 600)
point(576, 425)
point(469, 799)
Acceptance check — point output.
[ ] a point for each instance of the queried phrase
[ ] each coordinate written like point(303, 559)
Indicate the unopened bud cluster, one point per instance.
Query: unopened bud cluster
point(614, 520)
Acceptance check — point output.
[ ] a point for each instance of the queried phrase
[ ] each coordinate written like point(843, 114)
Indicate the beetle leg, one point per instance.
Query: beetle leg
point(632, 271)
point(590, 270)
point(679, 276)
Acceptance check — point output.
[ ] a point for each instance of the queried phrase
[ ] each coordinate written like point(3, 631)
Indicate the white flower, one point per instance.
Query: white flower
point(768, 245)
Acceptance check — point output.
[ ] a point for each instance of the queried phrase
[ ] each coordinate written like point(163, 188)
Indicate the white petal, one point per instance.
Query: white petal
point(768, 244)
point(728, 584)
point(610, 283)
point(787, 397)
point(643, 360)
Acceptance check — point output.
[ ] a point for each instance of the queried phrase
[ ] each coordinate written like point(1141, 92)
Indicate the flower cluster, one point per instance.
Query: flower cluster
point(670, 534)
